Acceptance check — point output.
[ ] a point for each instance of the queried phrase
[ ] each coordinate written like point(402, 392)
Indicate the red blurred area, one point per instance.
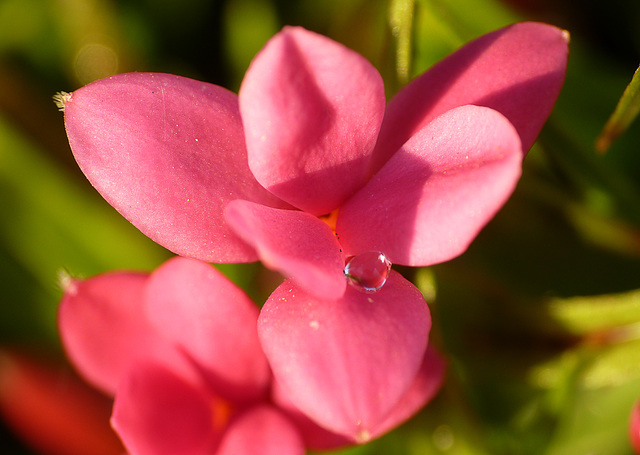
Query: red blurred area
point(52, 410)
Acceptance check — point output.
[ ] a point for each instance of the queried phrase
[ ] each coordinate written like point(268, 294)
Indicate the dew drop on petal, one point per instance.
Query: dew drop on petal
point(368, 271)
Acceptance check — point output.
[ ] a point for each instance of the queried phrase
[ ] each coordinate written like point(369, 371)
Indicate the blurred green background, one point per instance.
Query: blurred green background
point(540, 319)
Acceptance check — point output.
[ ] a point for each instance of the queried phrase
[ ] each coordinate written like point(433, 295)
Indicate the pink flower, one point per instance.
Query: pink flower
point(634, 427)
point(308, 171)
point(179, 350)
point(226, 178)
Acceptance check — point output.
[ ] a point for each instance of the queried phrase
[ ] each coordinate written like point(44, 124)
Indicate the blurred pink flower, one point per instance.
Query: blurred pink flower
point(51, 409)
point(308, 171)
point(179, 350)
point(634, 428)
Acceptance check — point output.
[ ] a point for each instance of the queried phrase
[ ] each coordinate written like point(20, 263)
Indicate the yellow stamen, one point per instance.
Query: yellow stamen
point(331, 219)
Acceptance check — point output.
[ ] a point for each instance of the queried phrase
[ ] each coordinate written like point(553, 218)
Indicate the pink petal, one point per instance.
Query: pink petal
point(212, 322)
point(168, 153)
point(426, 385)
point(158, 413)
point(311, 109)
point(634, 427)
point(315, 437)
point(517, 71)
point(346, 363)
point(261, 431)
point(104, 329)
point(295, 243)
point(437, 192)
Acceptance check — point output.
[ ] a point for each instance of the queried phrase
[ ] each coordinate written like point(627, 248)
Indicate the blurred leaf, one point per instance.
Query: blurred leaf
point(625, 112)
point(596, 422)
point(602, 188)
point(435, 37)
point(555, 376)
point(425, 280)
point(51, 214)
point(530, 250)
point(471, 18)
point(361, 25)
point(52, 223)
point(583, 315)
point(22, 21)
point(79, 38)
point(613, 366)
point(91, 39)
point(443, 26)
point(583, 107)
point(248, 26)
point(600, 227)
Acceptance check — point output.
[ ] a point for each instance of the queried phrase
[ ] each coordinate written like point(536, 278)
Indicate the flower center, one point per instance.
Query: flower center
point(368, 271)
point(221, 413)
point(330, 219)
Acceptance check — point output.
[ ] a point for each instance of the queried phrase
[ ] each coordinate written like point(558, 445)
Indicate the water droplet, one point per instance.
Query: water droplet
point(368, 271)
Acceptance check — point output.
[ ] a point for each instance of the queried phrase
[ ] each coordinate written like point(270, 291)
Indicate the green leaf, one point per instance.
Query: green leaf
point(443, 26)
point(613, 366)
point(625, 112)
point(583, 315)
point(596, 422)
